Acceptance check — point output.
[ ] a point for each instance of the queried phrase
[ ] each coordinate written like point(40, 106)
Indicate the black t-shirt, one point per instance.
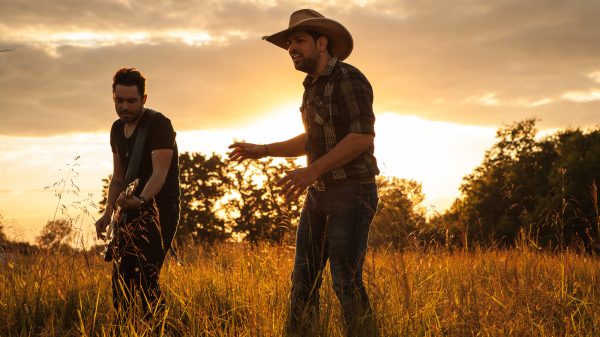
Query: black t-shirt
point(160, 136)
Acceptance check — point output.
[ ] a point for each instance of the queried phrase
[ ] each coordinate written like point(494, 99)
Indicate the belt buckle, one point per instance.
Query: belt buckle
point(319, 185)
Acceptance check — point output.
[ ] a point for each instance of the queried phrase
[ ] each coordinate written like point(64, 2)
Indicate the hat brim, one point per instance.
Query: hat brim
point(338, 37)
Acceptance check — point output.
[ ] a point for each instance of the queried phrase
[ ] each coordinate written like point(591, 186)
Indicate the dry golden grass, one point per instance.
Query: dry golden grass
point(237, 290)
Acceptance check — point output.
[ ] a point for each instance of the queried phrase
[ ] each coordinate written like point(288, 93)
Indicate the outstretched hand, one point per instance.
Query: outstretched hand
point(295, 182)
point(243, 151)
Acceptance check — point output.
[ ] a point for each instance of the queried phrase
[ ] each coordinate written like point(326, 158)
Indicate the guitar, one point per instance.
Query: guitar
point(116, 220)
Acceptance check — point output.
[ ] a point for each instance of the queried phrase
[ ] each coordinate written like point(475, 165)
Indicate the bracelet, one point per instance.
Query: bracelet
point(143, 200)
point(266, 150)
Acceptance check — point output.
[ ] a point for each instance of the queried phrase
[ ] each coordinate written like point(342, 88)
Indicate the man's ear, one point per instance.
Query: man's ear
point(144, 99)
point(322, 43)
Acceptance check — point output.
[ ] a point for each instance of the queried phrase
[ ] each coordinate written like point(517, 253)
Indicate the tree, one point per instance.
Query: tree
point(543, 188)
point(496, 196)
point(569, 210)
point(56, 234)
point(257, 210)
point(102, 203)
point(400, 213)
point(204, 185)
point(2, 234)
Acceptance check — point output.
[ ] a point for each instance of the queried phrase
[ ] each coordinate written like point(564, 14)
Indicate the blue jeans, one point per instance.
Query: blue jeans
point(334, 225)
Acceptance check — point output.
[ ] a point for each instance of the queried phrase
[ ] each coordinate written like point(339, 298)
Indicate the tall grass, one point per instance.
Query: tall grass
point(240, 290)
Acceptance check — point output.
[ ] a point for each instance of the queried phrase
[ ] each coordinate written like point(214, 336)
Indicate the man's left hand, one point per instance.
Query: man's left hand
point(131, 202)
point(295, 182)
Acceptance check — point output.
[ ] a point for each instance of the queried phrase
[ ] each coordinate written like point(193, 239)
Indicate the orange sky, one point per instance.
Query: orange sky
point(446, 74)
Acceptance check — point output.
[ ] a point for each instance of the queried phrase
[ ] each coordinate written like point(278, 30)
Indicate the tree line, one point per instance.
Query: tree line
point(537, 191)
point(223, 200)
point(543, 192)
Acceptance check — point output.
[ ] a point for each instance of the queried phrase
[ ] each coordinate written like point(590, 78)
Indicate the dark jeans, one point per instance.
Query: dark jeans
point(334, 225)
point(142, 247)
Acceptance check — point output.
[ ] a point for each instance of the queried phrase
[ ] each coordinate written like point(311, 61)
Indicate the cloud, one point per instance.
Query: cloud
point(527, 53)
point(595, 76)
point(198, 88)
point(490, 99)
point(465, 61)
point(582, 96)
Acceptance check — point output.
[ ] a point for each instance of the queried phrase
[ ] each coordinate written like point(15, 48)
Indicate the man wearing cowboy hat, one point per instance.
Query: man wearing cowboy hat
point(337, 112)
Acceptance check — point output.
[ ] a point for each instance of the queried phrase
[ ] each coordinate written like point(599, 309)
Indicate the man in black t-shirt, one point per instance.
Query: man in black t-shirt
point(152, 211)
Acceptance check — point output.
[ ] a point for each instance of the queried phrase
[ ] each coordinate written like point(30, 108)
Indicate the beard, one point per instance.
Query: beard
point(131, 115)
point(308, 64)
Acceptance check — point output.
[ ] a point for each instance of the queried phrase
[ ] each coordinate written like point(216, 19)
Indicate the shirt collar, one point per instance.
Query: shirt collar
point(329, 68)
point(308, 80)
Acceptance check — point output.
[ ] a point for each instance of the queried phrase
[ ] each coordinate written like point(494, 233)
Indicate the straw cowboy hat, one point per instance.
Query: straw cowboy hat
point(338, 37)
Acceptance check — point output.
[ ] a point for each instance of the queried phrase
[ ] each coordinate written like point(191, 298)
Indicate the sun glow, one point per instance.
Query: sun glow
point(437, 154)
point(434, 153)
point(281, 124)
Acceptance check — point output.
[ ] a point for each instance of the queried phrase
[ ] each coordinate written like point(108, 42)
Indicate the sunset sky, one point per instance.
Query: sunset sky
point(446, 75)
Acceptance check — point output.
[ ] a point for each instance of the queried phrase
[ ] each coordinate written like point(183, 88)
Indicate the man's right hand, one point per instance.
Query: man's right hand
point(101, 225)
point(243, 151)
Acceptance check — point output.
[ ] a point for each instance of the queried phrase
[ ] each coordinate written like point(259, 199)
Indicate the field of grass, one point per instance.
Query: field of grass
point(238, 290)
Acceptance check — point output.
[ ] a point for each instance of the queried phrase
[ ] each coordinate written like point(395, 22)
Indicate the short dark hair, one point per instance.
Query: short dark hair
point(130, 77)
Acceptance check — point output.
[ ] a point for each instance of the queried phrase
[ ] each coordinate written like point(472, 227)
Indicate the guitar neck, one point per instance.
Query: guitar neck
point(128, 193)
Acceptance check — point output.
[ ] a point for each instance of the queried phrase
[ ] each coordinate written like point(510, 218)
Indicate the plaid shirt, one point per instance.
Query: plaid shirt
point(339, 102)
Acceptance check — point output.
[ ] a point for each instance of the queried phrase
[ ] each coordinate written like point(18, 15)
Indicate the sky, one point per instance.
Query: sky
point(446, 75)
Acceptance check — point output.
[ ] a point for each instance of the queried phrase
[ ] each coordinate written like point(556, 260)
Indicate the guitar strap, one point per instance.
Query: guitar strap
point(130, 176)
point(138, 147)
